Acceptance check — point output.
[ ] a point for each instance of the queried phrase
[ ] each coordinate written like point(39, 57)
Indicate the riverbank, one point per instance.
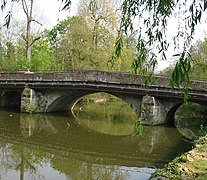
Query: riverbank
point(190, 165)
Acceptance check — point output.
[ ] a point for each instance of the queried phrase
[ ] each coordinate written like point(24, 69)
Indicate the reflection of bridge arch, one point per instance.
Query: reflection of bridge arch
point(75, 142)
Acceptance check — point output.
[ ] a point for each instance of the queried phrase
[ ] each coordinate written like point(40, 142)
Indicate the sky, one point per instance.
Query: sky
point(50, 11)
point(47, 12)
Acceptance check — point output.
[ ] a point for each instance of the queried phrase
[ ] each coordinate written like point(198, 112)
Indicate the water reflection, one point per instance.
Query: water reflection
point(113, 125)
point(57, 147)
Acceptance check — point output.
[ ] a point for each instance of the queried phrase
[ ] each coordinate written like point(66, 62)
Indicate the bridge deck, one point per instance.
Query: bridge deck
point(101, 81)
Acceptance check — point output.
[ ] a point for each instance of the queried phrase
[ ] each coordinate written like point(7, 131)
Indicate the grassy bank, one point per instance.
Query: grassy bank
point(191, 165)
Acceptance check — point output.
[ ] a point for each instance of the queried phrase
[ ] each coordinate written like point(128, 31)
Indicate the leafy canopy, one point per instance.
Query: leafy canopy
point(150, 18)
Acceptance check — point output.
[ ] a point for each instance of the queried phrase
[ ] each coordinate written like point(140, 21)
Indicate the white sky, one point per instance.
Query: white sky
point(50, 10)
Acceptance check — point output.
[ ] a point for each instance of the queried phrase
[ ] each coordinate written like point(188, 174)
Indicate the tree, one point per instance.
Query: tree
point(199, 54)
point(198, 71)
point(66, 6)
point(9, 42)
point(28, 10)
point(101, 15)
point(75, 48)
point(28, 7)
point(43, 56)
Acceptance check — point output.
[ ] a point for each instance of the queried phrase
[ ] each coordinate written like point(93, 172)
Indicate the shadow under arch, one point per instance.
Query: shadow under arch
point(10, 99)
point(65, 102)
point(170, 117)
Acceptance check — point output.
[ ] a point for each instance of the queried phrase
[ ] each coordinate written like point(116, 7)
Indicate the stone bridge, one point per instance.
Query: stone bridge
point(52, 92)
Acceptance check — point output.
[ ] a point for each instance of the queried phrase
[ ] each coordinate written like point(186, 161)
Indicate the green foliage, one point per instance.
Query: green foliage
point(191, 110)
point(30, 109)
point(152, 28)
point(180, 75)
point(170, 170)
point(138, 128)
point(75, 48)
point(43, 59)
point(193, 66)
point(105, 103)
point(202, 132)
point(190, 165)
point(190, 119)
point(22, 65)
point(81, 42)
point(104, 112)
point(199, 54)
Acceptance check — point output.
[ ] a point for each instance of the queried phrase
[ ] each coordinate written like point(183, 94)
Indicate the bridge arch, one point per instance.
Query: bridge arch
point(55, 101)
point(105, 114)
point(67, 100)
point(10, 99)
point(156, 110)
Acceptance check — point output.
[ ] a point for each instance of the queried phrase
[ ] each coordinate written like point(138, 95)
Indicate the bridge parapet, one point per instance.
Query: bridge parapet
point(94, 76)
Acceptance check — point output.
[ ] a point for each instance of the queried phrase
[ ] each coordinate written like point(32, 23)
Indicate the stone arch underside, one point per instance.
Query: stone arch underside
point(170, 116)
point(151, 110)
point(66, 100)
point(10, 99)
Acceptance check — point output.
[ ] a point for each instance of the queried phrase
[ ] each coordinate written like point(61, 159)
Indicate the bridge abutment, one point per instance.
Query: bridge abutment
point(156, 111)
point(28, 100)
point(48, 100)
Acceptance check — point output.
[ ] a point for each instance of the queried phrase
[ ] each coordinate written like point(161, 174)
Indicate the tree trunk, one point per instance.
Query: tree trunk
point(29, 39)
point(28, 10)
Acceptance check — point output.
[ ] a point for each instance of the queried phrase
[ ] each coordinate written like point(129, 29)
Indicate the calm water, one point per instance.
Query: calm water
point(63, 147)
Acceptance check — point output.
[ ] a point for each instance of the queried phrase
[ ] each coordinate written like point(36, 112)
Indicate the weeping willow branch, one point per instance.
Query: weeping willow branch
point(151, 19)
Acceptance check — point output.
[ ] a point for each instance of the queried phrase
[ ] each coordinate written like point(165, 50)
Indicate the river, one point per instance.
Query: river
point(83, 146)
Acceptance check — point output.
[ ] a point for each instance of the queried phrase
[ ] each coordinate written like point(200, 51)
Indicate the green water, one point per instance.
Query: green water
point(98, 145)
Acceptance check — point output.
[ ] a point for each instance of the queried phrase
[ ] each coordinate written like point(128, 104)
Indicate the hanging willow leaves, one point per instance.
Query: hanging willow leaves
point(138, 128)
point(180, 75)
point(66, 4)
point(119, 43)
point(151, 19)
point(7, 20)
